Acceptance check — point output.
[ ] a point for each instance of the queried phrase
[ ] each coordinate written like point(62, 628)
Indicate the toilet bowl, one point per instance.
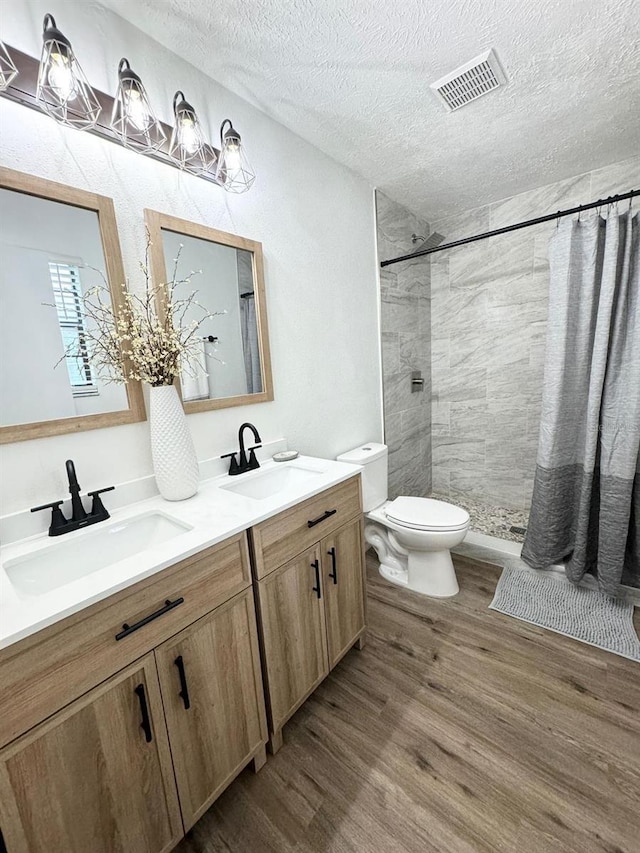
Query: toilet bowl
point(412, 536)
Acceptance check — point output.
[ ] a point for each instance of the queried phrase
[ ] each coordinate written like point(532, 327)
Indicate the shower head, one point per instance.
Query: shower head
point(430, 242)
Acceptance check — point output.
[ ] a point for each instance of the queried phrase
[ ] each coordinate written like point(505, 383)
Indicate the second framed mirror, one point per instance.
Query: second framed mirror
point(219, 275)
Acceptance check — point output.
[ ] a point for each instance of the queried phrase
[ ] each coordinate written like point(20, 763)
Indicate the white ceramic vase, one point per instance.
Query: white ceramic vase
point(174, 457)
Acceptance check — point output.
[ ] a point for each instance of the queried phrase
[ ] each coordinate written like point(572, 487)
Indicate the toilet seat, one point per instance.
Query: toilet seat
point(426, 514)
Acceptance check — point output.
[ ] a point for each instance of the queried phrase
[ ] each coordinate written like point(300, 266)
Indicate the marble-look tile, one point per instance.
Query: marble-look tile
point(468, 419)
point(540, 201)
point(463, 385)
point(459, 313)
point(393, 431)
point(398, 396)
point(440, 480)
point(414, 277)
point(508, 451)
point(469, 265)
point(440, 416)
point(440, 353)
point(395, 225)
point(416, 423)
point(617, 178)
point(399, 313)
point(390, 352)
point(463, 225)
point(439, 277)
point(388, 280)
point(474, 349)
point(415, 354)
point(454, 453)
point(500, 490)
point(518, 379)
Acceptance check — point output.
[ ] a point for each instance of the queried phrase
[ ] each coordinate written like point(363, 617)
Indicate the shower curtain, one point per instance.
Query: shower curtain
point(586, 498)
point(249, 330)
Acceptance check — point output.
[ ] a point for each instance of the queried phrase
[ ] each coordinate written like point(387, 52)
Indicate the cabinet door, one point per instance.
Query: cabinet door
point(96, 776)
point(294, 633)
point(214, 702)
point(342, 560)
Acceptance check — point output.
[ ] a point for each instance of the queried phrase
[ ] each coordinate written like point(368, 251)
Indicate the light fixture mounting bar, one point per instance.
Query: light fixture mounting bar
point(23, 91)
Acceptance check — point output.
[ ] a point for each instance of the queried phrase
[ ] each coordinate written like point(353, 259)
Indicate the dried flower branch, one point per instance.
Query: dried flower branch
point(147, 338)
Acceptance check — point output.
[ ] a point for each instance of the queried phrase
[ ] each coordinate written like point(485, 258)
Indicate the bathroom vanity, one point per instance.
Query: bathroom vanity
point(123, 718)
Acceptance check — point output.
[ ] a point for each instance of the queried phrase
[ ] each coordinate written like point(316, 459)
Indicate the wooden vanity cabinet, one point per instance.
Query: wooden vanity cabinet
point(212, 694)
point(96, 776)
point(126, 766)
point(311, 608)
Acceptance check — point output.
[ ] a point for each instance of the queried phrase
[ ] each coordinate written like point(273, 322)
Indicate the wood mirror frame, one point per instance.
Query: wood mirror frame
point(159, 222)
point(103, 207)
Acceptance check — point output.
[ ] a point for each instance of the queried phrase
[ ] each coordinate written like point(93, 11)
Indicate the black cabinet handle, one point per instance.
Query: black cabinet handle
point(145, 725)
point(316, 565)
point(184, 690)
point(333, 574)
point(129, 629)
point(324, 516)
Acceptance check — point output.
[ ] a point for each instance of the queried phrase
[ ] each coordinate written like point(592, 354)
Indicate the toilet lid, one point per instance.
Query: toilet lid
point(426, 514)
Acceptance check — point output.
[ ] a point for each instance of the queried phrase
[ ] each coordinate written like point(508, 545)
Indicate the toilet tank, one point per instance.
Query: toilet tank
point(375, 463)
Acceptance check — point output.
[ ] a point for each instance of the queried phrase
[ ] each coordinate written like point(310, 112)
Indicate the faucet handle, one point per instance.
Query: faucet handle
point(253, 462)
point(97, 507)
point(234, 468)
point(58, 520)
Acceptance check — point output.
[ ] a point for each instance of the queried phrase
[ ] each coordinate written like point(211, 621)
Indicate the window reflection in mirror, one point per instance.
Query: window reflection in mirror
point(56, 243)
point(232, 366)
point(51, 253)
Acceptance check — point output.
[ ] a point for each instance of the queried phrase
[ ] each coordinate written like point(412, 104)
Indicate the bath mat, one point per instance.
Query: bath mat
point(551, 601)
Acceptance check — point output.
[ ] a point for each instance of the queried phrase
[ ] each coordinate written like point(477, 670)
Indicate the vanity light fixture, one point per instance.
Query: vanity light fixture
point(188, 146)
point(132, 118)
point(8, 70)
point(234, 171)
point(63, 90)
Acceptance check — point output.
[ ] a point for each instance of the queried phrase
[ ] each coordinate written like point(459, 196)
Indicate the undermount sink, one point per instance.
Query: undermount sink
point(261, 485)
point(59, 563)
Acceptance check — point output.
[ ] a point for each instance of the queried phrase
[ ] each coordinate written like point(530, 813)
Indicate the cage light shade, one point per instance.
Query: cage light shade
point(8, 70)
point(132, 117)
point(63, 90)
point(234, 172)
point(188, 146)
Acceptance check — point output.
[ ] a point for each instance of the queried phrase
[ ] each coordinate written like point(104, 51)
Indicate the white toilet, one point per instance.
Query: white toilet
point(412, 536)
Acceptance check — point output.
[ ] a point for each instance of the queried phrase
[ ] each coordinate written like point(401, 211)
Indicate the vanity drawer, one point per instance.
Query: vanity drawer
point(44, 672)
point(279, 539)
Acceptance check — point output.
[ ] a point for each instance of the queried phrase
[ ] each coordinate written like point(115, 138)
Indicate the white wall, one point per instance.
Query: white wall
point(314, 218)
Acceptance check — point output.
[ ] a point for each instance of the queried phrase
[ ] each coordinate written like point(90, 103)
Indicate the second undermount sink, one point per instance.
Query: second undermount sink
point(261, 485)
point(61, 562)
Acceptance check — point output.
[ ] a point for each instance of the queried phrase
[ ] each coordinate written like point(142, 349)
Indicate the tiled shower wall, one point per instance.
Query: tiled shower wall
point(406, 346)
point(488, 325)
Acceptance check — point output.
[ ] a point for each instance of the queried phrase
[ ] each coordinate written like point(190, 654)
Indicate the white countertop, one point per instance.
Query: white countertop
point(213, 514)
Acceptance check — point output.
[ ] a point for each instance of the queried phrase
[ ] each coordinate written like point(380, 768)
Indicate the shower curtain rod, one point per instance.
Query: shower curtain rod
point(526, 224)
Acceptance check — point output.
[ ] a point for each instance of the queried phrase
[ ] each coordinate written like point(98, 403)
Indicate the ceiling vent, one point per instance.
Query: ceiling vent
point(472, 80)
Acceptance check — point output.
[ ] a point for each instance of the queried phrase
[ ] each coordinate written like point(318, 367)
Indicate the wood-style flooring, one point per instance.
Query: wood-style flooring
point(455, 729)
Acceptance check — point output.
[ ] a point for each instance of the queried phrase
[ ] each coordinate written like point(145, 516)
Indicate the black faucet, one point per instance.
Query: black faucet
point(79, 516)
point(241, 465)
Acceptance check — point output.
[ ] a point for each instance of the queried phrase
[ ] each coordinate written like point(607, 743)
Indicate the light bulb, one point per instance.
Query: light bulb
point(188, 135)
point(61, 78)
point(136, 109)
point(232, 158)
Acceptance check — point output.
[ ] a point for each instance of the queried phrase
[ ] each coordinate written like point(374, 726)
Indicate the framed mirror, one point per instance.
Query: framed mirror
point(232, 365)
point(56, 242)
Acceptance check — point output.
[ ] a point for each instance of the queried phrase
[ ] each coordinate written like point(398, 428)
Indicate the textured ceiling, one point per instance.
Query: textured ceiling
point(352, 77)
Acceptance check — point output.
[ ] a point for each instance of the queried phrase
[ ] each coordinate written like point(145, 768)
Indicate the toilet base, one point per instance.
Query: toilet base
point(426, 572)
point(439, 581)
